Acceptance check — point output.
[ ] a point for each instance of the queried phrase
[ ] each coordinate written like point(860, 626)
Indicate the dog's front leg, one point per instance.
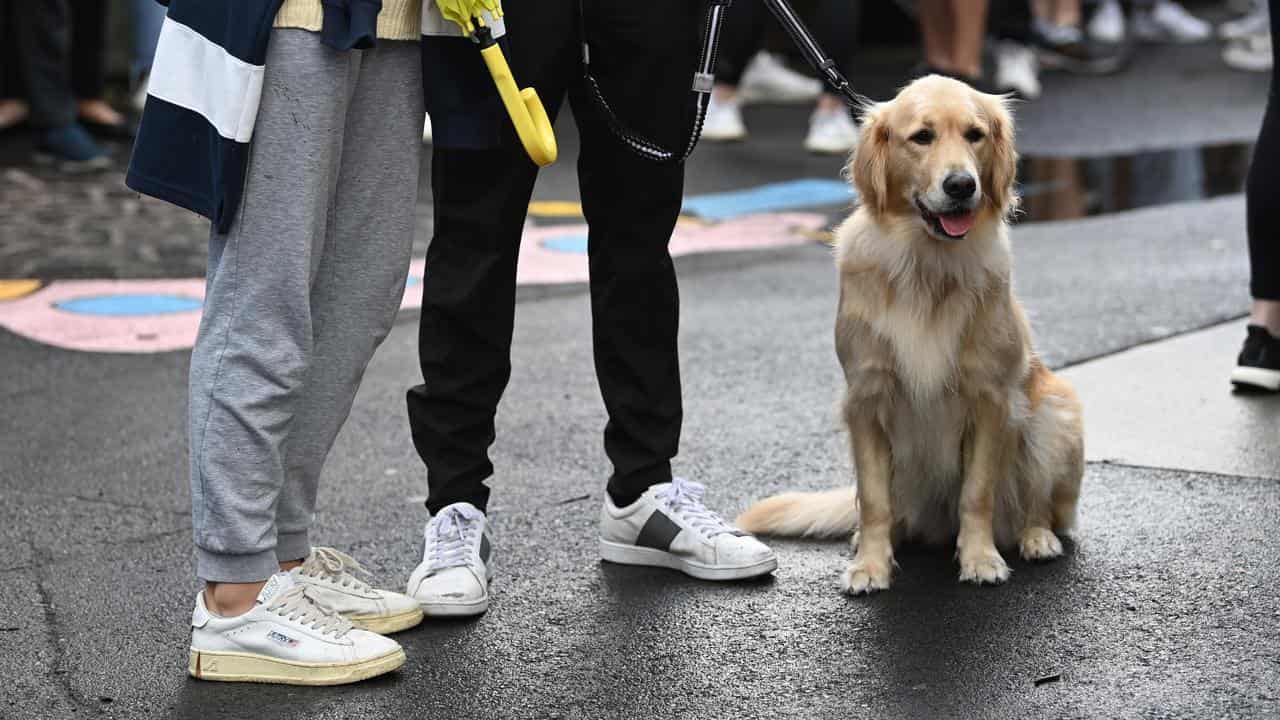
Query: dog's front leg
point(988, 460)
point(872, 565)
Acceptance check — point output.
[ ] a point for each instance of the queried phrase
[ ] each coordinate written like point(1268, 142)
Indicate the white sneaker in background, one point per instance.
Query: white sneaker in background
point(1256, 21)
point(670, 527)
point(831, 132)
point(287, 638)
point(1017, 70)
point(138, 98)
point(453, 578)
point(723, 121)
point(767, 79)
point(1251, 53)
point(1168, 21)
point(330, 576)
point(1107, 23)
point(426, 130)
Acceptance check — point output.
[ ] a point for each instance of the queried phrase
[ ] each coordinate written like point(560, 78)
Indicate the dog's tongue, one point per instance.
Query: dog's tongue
point(956, 225)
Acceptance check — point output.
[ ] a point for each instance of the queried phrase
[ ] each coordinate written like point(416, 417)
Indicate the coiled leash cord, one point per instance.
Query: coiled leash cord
point(704, 77)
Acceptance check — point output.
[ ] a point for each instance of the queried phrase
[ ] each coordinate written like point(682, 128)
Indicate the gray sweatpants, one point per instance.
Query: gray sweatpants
point(300, 293)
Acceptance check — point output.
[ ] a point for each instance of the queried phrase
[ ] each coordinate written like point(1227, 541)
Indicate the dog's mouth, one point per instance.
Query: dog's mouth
point(953, 224)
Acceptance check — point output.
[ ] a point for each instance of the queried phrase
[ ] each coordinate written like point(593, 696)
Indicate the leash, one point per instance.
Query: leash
point(704, 77)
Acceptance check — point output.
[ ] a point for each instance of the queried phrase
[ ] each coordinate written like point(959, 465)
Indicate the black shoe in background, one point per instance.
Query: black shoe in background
point(1258, 367)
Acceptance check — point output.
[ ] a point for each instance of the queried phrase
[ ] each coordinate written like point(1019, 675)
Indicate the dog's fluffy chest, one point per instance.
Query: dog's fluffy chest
point(925, 340)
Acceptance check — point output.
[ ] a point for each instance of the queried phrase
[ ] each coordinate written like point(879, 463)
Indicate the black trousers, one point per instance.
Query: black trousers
point(834, 24)
point(89, 48)
point(1263, 213)
point(644, 55)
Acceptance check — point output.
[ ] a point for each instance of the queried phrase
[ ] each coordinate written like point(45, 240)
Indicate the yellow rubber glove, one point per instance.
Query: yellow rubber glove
point(462, 12)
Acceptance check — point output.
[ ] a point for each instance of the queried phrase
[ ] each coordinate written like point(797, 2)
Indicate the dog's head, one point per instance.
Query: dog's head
point(940, 151)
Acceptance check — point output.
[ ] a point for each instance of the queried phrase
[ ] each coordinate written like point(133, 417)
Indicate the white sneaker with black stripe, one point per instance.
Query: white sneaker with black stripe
point(453, 578)
point(670, 527)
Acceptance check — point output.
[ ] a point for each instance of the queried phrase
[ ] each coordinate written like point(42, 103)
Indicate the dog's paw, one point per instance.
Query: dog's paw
point(983, 567)
point(864, 576)
point(1039, 543)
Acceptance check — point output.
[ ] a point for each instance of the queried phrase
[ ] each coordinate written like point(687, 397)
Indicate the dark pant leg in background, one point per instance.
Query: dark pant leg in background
point(835, 27)
point(89, 48)
point(1260, 189)
point(40, 30)
point(745, 24)
point(643, 55)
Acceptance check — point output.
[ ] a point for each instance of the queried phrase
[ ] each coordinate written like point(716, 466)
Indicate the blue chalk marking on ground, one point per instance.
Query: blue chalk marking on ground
point(129, 305)
point(567, 244)
point(769, 198)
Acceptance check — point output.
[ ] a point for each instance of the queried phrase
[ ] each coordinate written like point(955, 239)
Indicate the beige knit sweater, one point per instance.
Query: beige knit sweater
point(399, 19)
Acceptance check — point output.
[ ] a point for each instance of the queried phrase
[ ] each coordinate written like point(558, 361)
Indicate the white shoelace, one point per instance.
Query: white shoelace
point(450, 536)
point(684, 497)
point(295, 605)
point(335, 566)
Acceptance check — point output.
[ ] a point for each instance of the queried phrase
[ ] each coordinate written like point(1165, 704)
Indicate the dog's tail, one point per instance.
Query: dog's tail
point(813, 514)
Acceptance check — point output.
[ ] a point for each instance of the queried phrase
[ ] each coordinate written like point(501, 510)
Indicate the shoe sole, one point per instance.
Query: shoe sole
point(387, 624)
point(758, 96)
point(73, 167)
point(652, 557)
point(820, 149)
point(247, 667)
point(1051, 60)
point(723, 137)
point(456, 609)
point(1256, 378)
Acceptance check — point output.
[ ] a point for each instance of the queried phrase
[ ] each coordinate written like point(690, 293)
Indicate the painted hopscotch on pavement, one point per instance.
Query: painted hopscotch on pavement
point(146, 316)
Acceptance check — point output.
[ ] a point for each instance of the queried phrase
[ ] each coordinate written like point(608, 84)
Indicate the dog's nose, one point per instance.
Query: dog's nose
point(959, 186)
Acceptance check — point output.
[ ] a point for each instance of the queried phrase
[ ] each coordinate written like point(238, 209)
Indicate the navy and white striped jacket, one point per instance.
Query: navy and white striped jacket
point(192, 147)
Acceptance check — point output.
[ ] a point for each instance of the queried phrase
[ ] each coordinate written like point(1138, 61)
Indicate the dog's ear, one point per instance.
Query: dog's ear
point(869, 164)
point(1001, 173)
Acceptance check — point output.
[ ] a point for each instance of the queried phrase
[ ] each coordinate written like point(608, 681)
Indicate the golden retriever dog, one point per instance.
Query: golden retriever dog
point(957, 429)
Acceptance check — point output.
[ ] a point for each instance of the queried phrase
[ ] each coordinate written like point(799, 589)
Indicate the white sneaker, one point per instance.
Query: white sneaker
point(1017, 69)
point(1107, 23)
point(329, 575)
point(1257, 21)
point(831, 132)
point(138, 98)
point(723, 121)
point(1167, 21)
point(670, 527)
point(1251, 53)
point(768, 79)
point(426, 130)
point(288, 638)
point(453, 578)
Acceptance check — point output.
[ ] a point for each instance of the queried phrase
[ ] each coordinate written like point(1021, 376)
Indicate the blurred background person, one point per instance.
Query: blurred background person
point(41, 33)
point(89, 71)
point(1248, 40)
point(745, 74)
point(953, 32)
point(1150, 21)
point(1258, 365)
point(148, 16)
point(1058, 35)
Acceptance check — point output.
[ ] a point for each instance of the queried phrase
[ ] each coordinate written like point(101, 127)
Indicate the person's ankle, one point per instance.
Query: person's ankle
point(231, 599)
point(724, 93)
point(287, 565)
point(1266, 313)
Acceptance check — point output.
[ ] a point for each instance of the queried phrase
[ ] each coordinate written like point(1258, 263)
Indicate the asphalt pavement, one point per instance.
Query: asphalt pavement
point(1167, 603)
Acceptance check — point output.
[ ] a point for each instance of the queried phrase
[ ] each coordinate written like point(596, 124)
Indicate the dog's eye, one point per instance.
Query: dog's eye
point(922, 137)
point(974, 135)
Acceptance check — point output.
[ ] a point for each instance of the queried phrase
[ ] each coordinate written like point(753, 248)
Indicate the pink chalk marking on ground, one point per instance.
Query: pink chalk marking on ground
point(543, 266)
point(36, 316)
